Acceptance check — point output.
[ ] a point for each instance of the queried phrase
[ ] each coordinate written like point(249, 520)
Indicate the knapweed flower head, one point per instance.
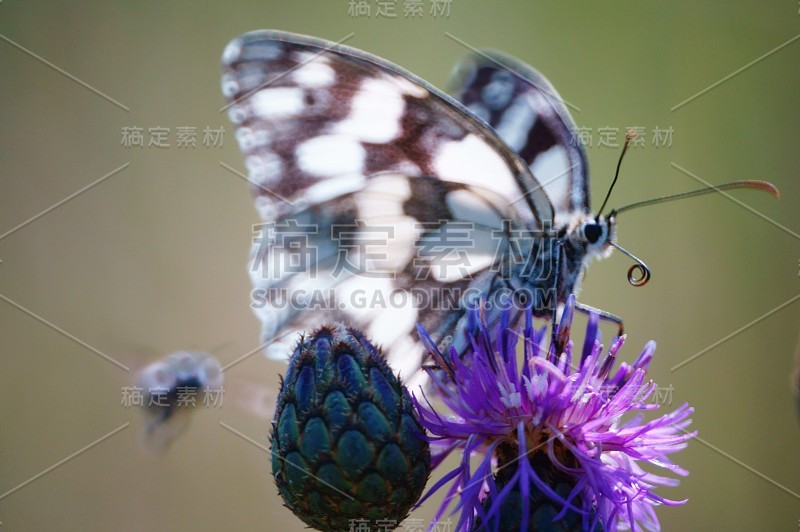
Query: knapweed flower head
point(347, 448)
point(560, 438)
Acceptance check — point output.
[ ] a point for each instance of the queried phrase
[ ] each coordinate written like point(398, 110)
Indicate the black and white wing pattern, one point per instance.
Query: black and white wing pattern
point(315, 118)
point(524, 108)
point(387, 203)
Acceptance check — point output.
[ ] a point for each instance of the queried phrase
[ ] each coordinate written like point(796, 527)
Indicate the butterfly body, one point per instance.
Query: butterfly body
point(438, 201)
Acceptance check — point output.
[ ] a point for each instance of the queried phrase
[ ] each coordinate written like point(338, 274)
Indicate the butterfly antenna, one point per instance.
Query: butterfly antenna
point(639, 273)
point(749, 183)
point(628, 138)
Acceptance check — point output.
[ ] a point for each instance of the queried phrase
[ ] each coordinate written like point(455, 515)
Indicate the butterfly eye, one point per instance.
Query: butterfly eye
point(592, 232)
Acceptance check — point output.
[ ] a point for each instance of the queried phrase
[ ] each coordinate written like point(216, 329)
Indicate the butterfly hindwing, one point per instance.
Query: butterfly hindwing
point(530, 116)
point(401, 250)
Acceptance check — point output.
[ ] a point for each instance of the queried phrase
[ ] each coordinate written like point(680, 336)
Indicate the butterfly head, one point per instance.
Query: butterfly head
point(597, 234)
point(597, 237)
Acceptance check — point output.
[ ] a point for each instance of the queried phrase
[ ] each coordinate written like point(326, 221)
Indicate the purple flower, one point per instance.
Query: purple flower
point(561, 440)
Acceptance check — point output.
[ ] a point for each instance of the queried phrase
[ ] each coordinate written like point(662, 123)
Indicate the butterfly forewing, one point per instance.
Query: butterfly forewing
point(309, 111)
point(530, 116)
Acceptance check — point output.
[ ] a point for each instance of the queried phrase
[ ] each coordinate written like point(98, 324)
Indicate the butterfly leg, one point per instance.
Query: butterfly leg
point(605, 316)
point(556, 271)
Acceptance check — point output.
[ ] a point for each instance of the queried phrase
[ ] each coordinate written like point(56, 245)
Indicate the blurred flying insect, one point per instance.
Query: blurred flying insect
point(172, 388)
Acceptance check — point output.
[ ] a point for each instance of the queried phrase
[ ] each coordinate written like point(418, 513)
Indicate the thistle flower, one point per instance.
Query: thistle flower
point(346, 444)
point(557, 451)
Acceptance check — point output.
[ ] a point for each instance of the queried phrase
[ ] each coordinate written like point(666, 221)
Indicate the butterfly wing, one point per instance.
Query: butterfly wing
point(401, 250)
point(525, 110)
point(337, 141)
point(315, 118)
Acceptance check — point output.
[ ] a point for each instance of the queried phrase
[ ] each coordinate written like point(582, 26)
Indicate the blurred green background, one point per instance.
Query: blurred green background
point(153, 259)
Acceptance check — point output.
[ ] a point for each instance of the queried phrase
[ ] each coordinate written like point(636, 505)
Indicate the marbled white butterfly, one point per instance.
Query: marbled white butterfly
point(388, 203)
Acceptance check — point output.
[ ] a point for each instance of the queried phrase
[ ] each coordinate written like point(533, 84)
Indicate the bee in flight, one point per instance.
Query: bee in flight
point(172, 388)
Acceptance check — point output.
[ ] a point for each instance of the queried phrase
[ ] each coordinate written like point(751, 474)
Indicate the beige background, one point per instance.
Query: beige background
point(152, 260)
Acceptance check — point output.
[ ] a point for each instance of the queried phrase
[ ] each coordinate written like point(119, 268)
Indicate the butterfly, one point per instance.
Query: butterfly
point(387, 203)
